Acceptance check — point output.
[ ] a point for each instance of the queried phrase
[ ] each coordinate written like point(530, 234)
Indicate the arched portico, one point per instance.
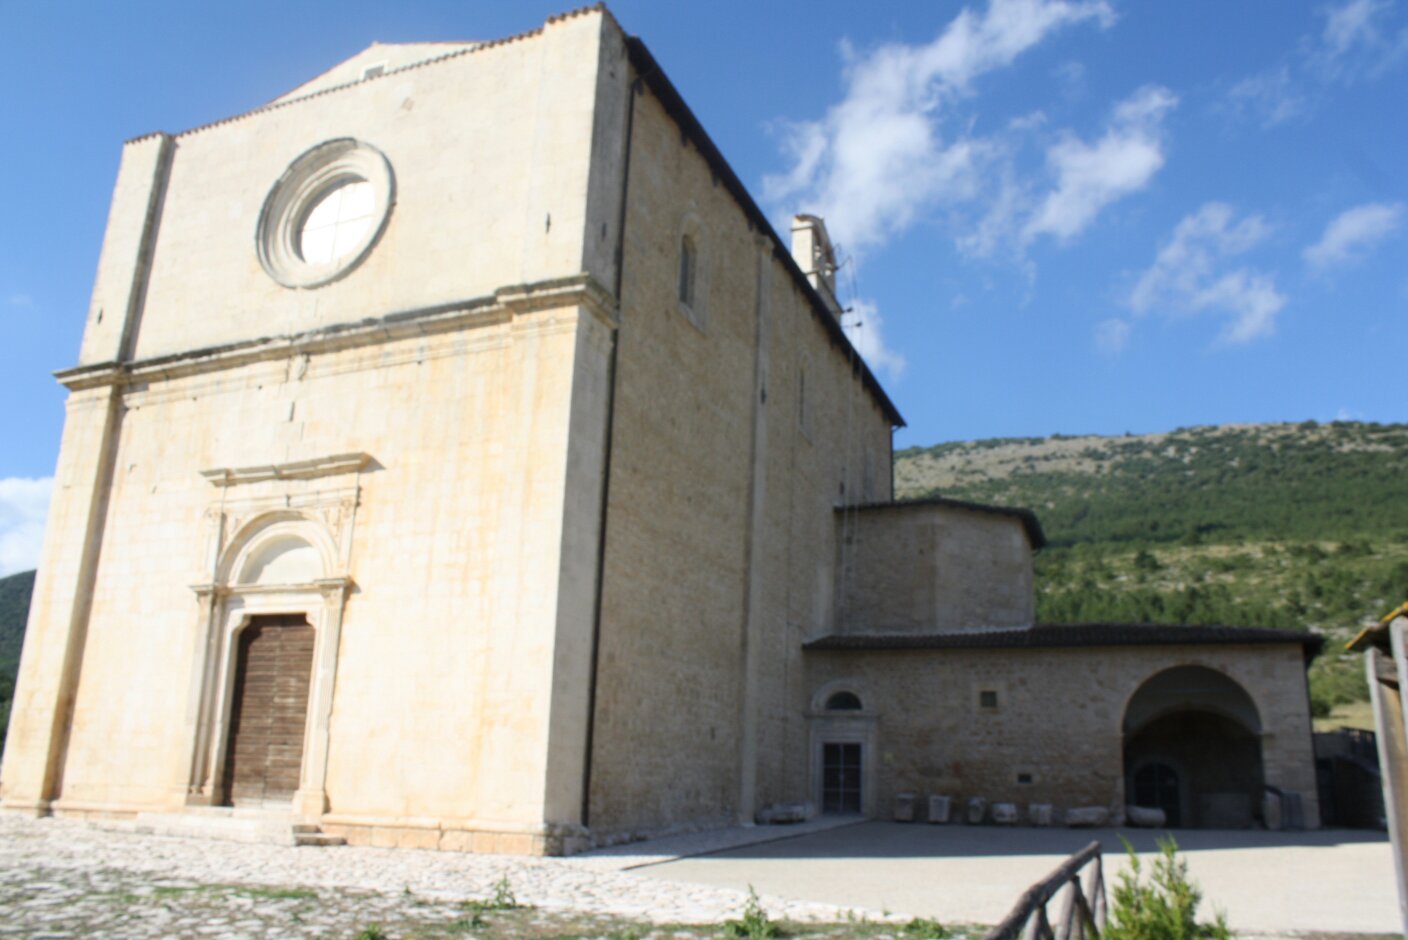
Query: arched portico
point(1192, 747)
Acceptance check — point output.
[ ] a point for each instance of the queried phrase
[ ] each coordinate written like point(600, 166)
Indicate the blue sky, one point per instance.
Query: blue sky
point(1060, 215)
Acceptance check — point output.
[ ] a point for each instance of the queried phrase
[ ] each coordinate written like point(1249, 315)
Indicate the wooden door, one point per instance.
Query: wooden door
point(264, 755)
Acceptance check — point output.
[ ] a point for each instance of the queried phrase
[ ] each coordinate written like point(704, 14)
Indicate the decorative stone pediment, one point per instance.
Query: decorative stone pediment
point(294, 470)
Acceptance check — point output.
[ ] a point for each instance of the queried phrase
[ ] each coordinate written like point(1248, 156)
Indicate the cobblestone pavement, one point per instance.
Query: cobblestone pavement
point(60, 878)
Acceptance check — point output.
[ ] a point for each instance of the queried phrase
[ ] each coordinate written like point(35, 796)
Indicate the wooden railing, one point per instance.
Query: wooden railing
point(1082, 911)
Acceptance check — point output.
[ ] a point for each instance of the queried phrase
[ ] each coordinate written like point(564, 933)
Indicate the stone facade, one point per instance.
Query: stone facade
point(564, 456)
point(1053, 729)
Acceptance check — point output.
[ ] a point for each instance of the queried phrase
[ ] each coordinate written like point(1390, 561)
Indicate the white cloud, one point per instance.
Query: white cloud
point(1191, 274)
point(23, 505)
point(1085, 179)
point(1112, 336)
point(1091, 176)
point(865, 327)
point(1350, 26)
point(1352, 233)
point(21, 300)
point(880, 156)
point(1271, 98)
point(1356, 41)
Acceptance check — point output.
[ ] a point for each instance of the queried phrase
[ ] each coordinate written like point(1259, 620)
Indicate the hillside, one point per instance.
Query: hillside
point(14, 609)
point(1301, 526)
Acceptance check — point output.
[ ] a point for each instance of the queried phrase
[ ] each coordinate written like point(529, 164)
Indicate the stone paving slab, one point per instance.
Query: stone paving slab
point(1269, 883)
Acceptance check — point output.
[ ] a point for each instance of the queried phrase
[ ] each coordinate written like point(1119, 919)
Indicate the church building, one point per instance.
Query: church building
point(457, 457)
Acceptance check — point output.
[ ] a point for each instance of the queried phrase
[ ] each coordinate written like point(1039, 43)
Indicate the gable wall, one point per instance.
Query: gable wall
point(490, 152)
point(464, 653)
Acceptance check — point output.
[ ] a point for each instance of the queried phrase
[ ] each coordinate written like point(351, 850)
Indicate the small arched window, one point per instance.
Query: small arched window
point(843, 702)
point(688, 264)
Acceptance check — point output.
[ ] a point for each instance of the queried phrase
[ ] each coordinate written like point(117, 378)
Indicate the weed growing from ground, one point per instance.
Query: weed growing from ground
point(373, 932)
point(503, 899)
point(754, 924)
point(922, 928)
point(1163, 908)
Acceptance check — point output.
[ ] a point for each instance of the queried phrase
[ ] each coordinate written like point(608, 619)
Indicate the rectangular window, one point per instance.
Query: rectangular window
point(987, 698)
point(687, 271)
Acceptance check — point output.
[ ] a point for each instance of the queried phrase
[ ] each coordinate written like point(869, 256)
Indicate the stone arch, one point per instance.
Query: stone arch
point(284, 547)
point(1192, 747)
point(847, 686)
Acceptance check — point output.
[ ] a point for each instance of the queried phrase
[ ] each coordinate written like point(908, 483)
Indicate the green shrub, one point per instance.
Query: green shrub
point(923, 928)
point(1163, 908)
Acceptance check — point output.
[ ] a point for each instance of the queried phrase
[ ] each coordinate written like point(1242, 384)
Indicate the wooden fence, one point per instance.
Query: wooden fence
point(1082, 911)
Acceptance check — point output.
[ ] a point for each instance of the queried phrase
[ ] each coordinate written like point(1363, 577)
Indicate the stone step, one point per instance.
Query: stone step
point(259, 826)
point(317, 839)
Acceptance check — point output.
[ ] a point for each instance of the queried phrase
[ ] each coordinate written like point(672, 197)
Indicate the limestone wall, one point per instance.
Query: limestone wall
point(445, 684)
point(925, 568)
point(720, 539)
point(1058, 718)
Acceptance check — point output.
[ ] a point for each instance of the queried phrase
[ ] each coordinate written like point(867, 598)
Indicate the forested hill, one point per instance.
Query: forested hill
point(1344, 480)
point(14, 610)
point(1301, 526)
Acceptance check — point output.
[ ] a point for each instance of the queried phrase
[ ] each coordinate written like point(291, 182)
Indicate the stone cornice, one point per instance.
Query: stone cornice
point(580, 290)
point(328, 587)
point(295, 470)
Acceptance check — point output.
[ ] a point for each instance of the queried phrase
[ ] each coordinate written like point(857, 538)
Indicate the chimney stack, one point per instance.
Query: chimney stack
point(812, 250)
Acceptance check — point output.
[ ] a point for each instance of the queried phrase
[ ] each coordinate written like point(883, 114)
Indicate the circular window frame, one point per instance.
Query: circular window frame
point(302, 186)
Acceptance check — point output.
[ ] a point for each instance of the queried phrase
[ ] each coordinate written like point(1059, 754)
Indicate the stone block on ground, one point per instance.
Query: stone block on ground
point(779, 814)
point(1004, 814)
point(1148, 817)
point(1086, 817)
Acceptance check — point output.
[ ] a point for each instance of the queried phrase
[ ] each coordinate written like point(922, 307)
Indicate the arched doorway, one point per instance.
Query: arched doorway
point(843, 749)
point(273, 619)
point(1192, 747)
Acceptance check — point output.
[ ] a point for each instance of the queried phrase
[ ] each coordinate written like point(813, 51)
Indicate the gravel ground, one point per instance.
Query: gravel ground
point(61, 878)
